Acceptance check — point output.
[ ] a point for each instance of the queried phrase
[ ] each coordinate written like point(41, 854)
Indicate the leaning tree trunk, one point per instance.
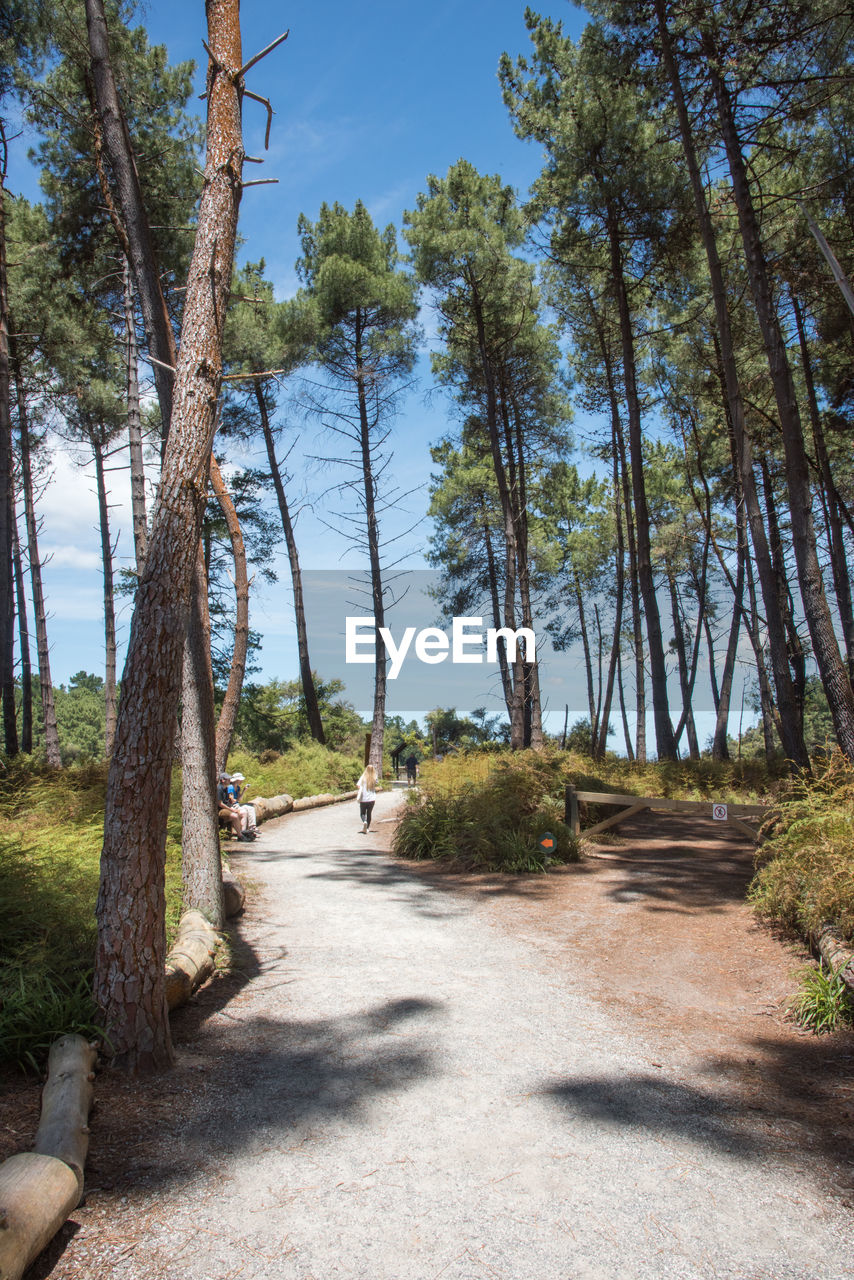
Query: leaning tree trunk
point(231, 701)
point(834, 674)
point(130, 960)
point(793, 743)
point(835, 533)
point(7, 506)
point(309, 693)
point(109, 600)
point(51, 733)
point(24, 642)
point(201, 864)
point(637, 629)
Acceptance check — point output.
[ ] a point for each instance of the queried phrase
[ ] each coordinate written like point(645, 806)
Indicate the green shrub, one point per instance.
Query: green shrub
point(489, 814)
point(806, 865)
point(306, 769)
point(822, 1003)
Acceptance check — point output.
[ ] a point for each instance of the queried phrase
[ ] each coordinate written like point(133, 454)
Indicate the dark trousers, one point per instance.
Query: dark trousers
point(366, 808)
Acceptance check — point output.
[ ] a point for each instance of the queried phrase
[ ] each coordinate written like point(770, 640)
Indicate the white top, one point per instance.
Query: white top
point(363, 792)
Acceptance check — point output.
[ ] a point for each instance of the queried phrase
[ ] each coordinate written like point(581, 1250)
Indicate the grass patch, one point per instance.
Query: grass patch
point(806, 865)
point(822, 1003)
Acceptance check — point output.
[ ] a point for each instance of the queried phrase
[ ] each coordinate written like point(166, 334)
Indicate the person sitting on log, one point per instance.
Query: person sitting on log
point(229, 813)
point(247, 811)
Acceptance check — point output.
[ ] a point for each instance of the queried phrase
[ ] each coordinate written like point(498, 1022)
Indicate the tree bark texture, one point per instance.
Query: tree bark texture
point(201, 866)
point(51, 733)
point(130, 974)
point(834, 675)
point(309, 693)
point(63, 1129)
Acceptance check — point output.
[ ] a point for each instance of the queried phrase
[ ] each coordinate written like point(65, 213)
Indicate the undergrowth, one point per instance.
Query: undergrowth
point(306, 769)
point(489, 815)
point(822, 1002)
point(806, 865)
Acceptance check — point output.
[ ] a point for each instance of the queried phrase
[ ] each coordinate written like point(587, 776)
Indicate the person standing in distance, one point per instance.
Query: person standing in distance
point(366, 794)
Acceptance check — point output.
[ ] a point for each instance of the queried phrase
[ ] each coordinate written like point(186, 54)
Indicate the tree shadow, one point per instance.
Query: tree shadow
point(666, 862)
point(428, 887)
point(792, 1099)
point(240, 1080)
point(657, 1105)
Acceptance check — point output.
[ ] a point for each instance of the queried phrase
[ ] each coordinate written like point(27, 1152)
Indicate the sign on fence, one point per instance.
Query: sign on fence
point(719, 812)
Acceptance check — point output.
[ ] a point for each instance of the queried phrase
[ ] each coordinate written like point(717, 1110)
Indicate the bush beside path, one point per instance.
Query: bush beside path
point(412, 1074)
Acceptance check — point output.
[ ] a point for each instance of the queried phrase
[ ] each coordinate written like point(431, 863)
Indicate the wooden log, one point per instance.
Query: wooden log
point(233, 894)
point(273, 807)
point(347, 795)
point(314, 802)
point(190, 960)
point(836, 954)
point(37, 1193)
point(63, 1130)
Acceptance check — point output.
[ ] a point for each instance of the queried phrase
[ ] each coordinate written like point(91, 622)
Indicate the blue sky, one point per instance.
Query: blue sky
point(368, 100)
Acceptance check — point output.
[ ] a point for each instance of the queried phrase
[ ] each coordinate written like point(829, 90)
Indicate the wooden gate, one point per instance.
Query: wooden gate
point(737, 815)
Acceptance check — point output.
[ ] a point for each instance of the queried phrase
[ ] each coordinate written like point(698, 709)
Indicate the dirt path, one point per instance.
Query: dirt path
point(415, 1075)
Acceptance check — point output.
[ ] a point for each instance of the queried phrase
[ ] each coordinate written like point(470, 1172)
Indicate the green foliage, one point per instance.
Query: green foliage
point(806, 866)
point(822, 1002)
point(272, 717)
point(304, 769)
point(489, 816)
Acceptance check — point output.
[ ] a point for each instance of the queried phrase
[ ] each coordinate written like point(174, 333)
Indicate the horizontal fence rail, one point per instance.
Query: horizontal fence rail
point(738, 815)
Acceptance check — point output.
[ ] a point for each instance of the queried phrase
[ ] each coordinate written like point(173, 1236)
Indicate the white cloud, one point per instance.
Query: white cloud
point(69, 557)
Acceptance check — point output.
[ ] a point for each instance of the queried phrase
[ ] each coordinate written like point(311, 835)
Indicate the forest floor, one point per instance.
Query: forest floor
point(415, 1073)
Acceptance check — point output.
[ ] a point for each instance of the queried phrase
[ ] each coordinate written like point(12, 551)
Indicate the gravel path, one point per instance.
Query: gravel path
point(403, 1090)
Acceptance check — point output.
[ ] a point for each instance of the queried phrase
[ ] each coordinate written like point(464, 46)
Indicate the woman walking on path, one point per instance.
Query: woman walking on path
point(366, 794)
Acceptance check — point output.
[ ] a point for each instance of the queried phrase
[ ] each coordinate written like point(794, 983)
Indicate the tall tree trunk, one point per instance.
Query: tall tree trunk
point(137, 468)
point(637, 627)
point(200, 854)
point(795, 648)
point(511, 560)
point(309, 692)
point(231, 701)
point(834, 675)
point(501, 647)
point(793, 743)
point(373, 535)
point(24, 642)
point(519, 498)
point(588, 664)
point(686, 720)
point(835, 533)
point(129, 969)
point(51, 733)
point(665, 742)
point(109, 599)
point(7, 499)
point(630, 751)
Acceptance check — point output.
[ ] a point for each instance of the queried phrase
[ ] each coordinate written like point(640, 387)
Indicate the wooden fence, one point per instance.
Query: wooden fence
point(738, 815)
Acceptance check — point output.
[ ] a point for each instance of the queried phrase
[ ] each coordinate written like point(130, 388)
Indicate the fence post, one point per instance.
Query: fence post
point(570, 812)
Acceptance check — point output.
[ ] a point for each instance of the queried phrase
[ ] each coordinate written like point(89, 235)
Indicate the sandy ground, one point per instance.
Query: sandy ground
point(413, 1074)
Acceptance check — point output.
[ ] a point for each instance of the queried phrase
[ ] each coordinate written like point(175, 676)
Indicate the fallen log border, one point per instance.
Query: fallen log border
point(40, 1188)
point(836, 954)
